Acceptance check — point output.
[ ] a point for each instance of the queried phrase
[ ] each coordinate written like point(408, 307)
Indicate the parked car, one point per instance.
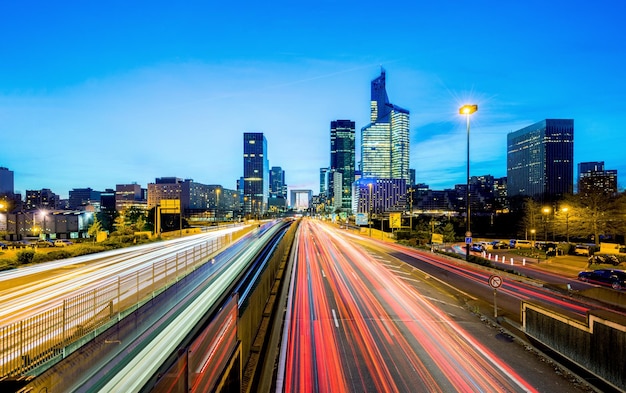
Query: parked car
point(613, 278)
point(44, 243)
point(62, 243)
point(500, 244)
point(4, 246)
point(477, 247)
point(20, 244)
point(581, 249)
point(606, 259)
point(514, 243)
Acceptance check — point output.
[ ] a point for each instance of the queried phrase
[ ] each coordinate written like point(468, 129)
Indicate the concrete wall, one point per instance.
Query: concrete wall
point(597, 344)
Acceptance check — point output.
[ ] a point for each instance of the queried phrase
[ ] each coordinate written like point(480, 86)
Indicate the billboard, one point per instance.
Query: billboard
point(361, 219)
point(395, 220)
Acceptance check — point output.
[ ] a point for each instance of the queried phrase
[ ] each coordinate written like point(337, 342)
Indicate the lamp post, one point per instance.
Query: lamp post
point(217, 205)
point(43, 229)
point(369, 216)
point(6, 225)
point(566, 211)
point(533, 236)
point(546, 211)
point(467, 110)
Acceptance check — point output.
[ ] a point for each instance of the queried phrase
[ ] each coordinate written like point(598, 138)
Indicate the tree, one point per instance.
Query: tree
point(591, 215)
point(94, 228)
point(531, 219)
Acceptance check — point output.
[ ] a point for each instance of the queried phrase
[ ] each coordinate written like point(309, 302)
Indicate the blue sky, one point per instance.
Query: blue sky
point(94, 94)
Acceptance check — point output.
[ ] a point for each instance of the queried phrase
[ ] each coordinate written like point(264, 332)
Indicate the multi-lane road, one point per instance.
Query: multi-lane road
point(358, 322)
point(30, 290)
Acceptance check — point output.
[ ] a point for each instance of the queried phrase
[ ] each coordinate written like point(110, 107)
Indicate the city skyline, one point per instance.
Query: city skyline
point(94, 95)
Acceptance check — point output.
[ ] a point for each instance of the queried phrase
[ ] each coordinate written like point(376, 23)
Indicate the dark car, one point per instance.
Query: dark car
point(477, 247)
point(500, 245)
point(20, 244)
point(4, 246)
point(613, 278)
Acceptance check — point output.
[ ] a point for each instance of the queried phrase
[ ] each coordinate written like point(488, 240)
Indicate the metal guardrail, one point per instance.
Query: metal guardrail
point(29, 344)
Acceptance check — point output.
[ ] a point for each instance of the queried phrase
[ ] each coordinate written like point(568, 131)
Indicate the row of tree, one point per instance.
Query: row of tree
point(588, 217)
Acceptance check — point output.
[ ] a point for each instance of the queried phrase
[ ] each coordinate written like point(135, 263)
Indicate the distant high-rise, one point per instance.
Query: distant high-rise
point(540, 160)
point(255, 173)
point(42, 199)
point(342, 160)
point(6, 182)
point(278, 188)
point(81, 197)
point(592, 177)
point(385, 141)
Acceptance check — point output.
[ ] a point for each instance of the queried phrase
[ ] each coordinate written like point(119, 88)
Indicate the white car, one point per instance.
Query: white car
point(62, 243)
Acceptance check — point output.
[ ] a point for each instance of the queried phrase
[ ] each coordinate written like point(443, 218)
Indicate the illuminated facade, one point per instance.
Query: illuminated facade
point(377, 196)
point(385, 141)
point(255, 173)
point(342, 161)
point(592, 177)
point(540, 160)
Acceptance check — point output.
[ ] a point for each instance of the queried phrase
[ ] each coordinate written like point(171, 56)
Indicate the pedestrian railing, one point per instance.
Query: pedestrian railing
point(35, 341)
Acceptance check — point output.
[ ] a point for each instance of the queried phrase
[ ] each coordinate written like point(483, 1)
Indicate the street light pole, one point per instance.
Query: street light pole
point(546, 211)
point(369, 216)
point(566, 211)
point(467, 110)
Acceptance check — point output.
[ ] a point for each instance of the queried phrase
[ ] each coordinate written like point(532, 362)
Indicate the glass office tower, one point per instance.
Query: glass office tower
point(255, 173)
point(385, 141)
point(342, 160)
point(540, 160)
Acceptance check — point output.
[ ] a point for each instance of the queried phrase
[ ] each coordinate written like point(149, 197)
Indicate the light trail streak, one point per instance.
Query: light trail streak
point(392, 339)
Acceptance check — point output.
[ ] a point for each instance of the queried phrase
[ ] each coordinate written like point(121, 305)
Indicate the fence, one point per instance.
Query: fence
point(38, 340)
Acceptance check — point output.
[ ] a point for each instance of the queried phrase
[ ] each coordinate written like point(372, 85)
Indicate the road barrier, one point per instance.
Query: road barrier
point(30, 346)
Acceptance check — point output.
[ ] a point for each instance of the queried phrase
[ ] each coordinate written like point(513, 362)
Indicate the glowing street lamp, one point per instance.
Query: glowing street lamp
point(546, 211)
point(566, 211)
point(467, 110)
point(369, 216)
point(43, 229)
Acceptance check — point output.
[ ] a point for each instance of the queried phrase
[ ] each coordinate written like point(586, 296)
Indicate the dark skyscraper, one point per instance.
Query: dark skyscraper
point(540, 160)
point(342, 160)
point(255, 173)
point(592, 177)
point(278, 188)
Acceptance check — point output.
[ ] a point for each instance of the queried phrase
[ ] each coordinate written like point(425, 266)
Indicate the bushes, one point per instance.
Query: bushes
point(25, 257)
point(6, 264)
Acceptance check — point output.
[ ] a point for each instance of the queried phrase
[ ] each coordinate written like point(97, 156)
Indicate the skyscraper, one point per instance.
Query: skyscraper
point(342, 160)
point(592, 177)
point(385, 141)
point(255, 173)
point(278, 188)
point(6, 181)
point(540, 160)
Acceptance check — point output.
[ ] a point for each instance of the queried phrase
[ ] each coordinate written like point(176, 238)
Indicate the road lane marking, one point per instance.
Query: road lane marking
point(335, 318)
point(384, 321)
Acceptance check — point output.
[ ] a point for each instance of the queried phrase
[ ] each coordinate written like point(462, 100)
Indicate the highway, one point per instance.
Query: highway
point(357, 324)
point(30, 290)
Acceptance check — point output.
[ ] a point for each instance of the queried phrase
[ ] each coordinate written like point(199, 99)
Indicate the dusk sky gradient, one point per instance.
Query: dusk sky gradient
point(94, 94)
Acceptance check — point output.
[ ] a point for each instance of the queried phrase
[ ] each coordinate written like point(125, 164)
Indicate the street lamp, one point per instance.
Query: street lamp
point(546, 211)
point(566, 211)
point(43, 214)
point(217, 204)
point(533, 236)
point(6, 225)
point(369, 216)
point(467, 110)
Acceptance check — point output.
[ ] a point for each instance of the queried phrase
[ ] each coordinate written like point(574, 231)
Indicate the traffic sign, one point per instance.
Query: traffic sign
point(495, 281)
point(468, 240)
